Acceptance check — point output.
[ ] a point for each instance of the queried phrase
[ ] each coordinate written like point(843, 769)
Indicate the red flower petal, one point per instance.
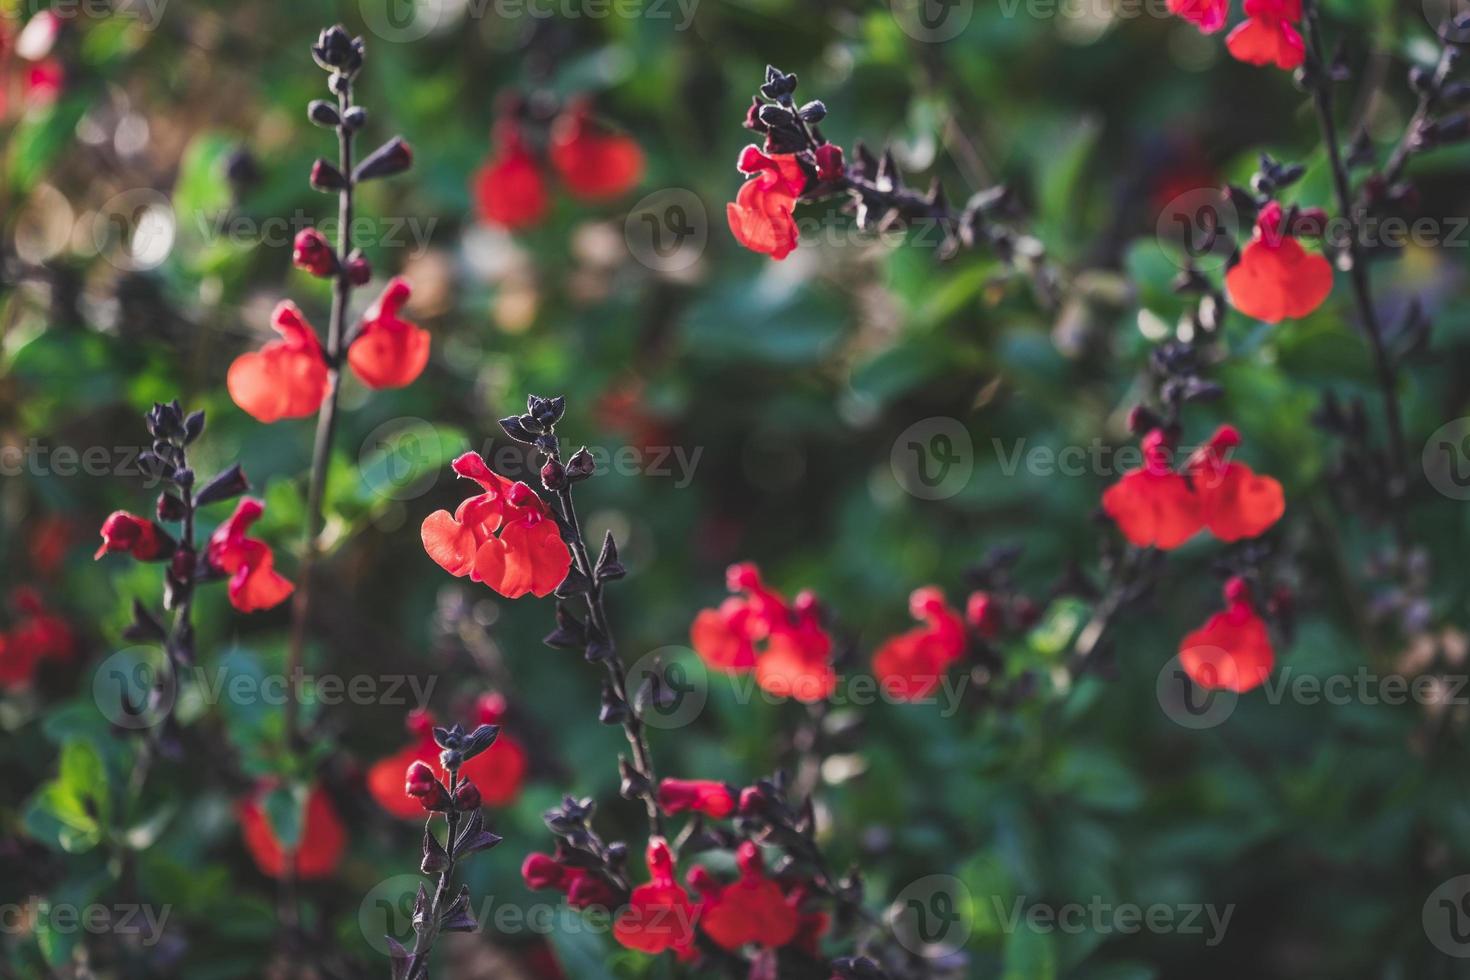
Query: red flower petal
point(1275, 282)
point(706, 796)
point(761, 217)
point(322, 843)
point(510, 189)
point(286, 378)
point(1207, 15)
point(718, 637)
point(389, 352)
point(1267, 40)
point(1231, 651)
point(752, 910)
point(596, 166)
point(659, 915)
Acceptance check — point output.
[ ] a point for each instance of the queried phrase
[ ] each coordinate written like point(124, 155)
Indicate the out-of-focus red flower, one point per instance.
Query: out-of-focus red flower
point(389, 352)
point(595, 165)
point(584, 888)
point(313, 253)
point(706, 796)
point(254, 582)
point(36, 635)
point(1269, 35)
point(1232, 650)
point(911, 665)
point(498, 772)
point(510, 189)
point(659, 915)
point(751, 910)
point(528, 555)
point(51, 538)
point(540, 959)
point(983, 613)
point(762, 216)
point(1207, 15)
point(1234, 501)
point(785, 643)
point(1276, 279)
point(318, 852)
point(1153, 505)
point(43, 82)
point(285, 379)
point(137, 536)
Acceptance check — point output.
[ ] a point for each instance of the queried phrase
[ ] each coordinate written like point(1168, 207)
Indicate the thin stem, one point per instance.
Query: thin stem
point(423, 944)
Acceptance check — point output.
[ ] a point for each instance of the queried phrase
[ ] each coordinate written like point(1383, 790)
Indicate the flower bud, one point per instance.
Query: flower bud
point(312, 253)
point(553, 476)
point(580, 466)
point(467, 797)
point(323, 113)
point(829, 162)
point(393, 157)
point(359, 269)
point(170, 507)
point(421, 783)
point(325, 177)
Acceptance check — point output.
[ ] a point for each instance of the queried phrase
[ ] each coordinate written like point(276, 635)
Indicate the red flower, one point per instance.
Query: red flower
point(762, 217)
point(320, 848)
point(312, 253)
point(1207, 15)
point(785, 644)
point(983, 613)
point(389, 352)
point(510, 189)
point(829, 162)
point(1153, 505)
point(1268, 34)
point(658, 915)
point(1232, 650)
point(911, 665)
point(285, 379)
point(1277, 279)
point(254, 582)
point(583, 888)
point(753, 909)
point(498, 772)
point(596, 165)
point(706, 796)
point(36, 636)
point(135, 535)
point(529, 554)
point(1234, 501)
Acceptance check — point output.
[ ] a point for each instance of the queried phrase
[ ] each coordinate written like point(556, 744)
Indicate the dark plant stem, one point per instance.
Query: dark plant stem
point(423, 944)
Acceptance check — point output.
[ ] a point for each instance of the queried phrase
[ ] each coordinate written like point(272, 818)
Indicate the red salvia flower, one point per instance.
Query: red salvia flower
point(389, 352)
point(762, 216)
point(751, 910)
point(911, 665)
point(584, 888)
point(1234, 501)
point(1153, 505)
point(317, 854)
point(1208, 15)
point(135, 535)
point(254, 582)
point(1269, 35)
point(527, 556)
point(498, 772)
point(659, 915)
point(1232, 650)
point(285, 379)
point(706, 796)
point(1276, 279)
point(510, 189)
point(595, 165)
point(37, 635)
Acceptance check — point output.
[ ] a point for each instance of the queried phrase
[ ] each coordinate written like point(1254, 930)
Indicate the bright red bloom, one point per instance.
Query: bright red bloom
point(323, 838)
point(312, 253)
point(595, 165)
point(762, 216)
point(135, 535)
point(1235, 502)
point(1232, 650)
point(785, 643)
point(659, 915)
point(1153, 505)
point(583, 888)
point(49, 542)
point(527, 556)
point(752, 910)
point(911, 665)
point(706, 796)
point(1269, 35)
point(1207, 15)
point(254, 582)
point(285, 379)
point(1276, 279)
point(510, 190)
point(389, 352)
point(498, 773)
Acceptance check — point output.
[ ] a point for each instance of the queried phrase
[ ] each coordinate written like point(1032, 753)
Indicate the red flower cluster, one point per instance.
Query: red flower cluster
point(911, 665)
point(1155, 506)
point(594, 164)
point(1232, 650)
point(527, 555)
point(785, 644)
point(762, 216)
point(497, 773)
point(583, 888)
point(287, 378)
point(753, 910)
point(1268, 35)
point(1276, 279)
point(36, 635)
point(317, 853)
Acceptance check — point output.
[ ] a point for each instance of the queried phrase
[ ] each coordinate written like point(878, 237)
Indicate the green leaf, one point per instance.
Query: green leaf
point(1030, 955)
